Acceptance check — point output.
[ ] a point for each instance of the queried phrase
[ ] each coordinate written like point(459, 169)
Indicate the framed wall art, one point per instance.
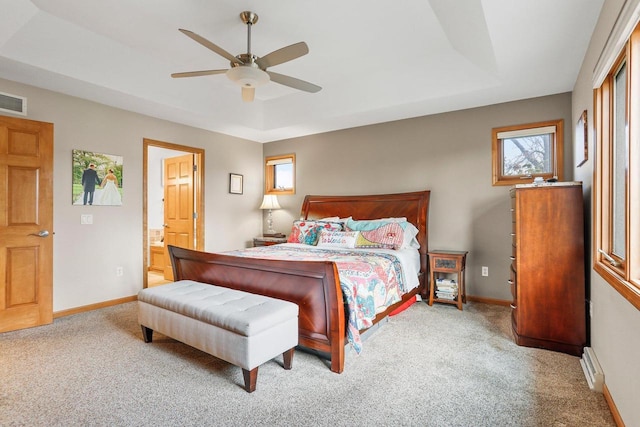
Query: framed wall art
point(581, 147)
point(235, 183)
point(96, 179)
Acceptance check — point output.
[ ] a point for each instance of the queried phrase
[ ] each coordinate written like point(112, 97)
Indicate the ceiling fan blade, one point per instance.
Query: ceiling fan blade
point(293, 82)
point(283, 55)
point(198, 73)
point(209, 45)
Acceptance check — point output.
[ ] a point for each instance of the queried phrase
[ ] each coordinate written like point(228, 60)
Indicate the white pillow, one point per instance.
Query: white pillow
point(337, 239)
point(410, 240)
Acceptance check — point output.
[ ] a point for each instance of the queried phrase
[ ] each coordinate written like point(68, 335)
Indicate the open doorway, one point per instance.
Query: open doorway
point(154, 153)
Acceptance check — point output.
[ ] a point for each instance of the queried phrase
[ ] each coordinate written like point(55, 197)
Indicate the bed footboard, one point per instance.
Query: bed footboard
point(313, 285)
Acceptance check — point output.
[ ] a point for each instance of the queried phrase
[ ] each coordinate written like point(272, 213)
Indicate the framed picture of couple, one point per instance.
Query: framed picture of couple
point(97, 179)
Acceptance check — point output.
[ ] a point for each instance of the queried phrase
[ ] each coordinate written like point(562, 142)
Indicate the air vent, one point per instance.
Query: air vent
point(13, 104)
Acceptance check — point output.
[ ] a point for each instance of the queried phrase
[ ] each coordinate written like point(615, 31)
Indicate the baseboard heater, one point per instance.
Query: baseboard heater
point(592, 370)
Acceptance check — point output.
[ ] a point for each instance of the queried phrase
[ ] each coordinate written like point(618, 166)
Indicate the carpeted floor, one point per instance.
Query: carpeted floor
point(428, 366)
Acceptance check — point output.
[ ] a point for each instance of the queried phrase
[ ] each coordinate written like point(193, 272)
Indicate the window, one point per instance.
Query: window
point(280, 174)
point(523, 152)
point(617, 175)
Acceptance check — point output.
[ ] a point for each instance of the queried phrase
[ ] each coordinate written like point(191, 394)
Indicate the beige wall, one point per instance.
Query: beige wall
point(449, 154)
point(86, 256)
point(615, 336)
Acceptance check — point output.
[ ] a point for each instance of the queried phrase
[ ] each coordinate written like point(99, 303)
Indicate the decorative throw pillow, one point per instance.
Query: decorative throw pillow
point(307, 232)
point(385, 233)
point(337, 239)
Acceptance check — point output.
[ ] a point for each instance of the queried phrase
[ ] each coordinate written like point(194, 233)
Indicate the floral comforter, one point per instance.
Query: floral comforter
point(370, 281)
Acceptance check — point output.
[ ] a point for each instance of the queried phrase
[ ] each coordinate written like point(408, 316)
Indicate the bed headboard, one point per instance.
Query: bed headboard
point(413, 206)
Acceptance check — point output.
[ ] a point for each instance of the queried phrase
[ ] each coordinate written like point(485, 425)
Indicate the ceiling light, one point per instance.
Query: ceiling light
point(248, 78)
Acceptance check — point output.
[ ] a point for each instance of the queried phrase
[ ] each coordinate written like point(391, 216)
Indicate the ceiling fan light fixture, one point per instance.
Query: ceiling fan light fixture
point(246, 76)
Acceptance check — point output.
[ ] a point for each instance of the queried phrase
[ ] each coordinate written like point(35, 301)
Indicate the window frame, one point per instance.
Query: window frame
point(270, 164)
point(557, 151)
point(622, 274)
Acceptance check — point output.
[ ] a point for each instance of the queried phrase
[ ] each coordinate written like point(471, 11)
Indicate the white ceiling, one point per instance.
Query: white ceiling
point(376, 61)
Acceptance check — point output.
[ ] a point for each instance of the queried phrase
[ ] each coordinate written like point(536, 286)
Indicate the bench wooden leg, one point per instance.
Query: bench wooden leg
point(287, 356)
point(250, 379)
point(147, 333)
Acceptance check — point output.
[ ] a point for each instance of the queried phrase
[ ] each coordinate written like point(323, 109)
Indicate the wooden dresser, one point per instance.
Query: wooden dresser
point(547, 267)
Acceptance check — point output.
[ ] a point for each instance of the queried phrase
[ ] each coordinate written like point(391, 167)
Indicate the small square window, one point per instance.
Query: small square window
point(280, 174)
point(524, 152)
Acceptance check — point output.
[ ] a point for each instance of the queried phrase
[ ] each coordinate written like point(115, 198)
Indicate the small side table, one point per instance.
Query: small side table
point(268, 241)
point(447, 262)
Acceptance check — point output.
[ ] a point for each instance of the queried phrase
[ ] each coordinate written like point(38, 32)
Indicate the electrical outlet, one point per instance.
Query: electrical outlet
point(86, 219)
point(119, 271)
point(485, 271)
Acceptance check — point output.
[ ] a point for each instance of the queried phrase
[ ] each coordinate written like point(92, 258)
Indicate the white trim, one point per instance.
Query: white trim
point(625, 23)
point(545, 130)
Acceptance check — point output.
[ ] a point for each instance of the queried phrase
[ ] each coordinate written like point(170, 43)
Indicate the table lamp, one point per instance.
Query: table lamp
point(270, 202)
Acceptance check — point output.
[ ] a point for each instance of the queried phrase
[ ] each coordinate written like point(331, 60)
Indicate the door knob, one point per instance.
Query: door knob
point(41, 233)
point(165, 225)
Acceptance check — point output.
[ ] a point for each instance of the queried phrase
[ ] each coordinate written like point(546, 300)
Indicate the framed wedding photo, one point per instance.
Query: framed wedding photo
point(235, 183)
point(96, 179)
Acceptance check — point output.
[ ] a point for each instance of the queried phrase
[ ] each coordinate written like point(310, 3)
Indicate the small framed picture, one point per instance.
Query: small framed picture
point(235, 183)
point(581, 147)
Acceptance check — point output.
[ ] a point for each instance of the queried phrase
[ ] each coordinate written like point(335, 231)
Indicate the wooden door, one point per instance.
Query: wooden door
point(26, 223)
point(178, 206)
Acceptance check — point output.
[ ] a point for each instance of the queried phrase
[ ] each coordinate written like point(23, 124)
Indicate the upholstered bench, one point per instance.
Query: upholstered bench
point(241, 328)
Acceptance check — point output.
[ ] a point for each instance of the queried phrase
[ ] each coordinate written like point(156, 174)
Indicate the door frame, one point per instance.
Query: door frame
point(198, 195)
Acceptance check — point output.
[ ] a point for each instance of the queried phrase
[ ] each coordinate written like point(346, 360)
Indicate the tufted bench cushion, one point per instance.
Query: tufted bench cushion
point(241, 328)
point(236, 311)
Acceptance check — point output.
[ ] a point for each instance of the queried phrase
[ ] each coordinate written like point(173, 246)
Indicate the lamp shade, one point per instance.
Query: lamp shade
point(270, 202)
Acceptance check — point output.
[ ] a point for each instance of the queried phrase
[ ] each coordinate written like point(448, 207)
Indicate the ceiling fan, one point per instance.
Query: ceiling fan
point(250, 71)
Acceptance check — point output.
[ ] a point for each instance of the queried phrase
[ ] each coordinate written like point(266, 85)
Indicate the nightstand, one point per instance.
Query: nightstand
point(442, 266)
point(268, 241)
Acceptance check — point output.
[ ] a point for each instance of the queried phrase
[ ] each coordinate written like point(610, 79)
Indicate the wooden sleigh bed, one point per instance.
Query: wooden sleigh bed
point(313, 285)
